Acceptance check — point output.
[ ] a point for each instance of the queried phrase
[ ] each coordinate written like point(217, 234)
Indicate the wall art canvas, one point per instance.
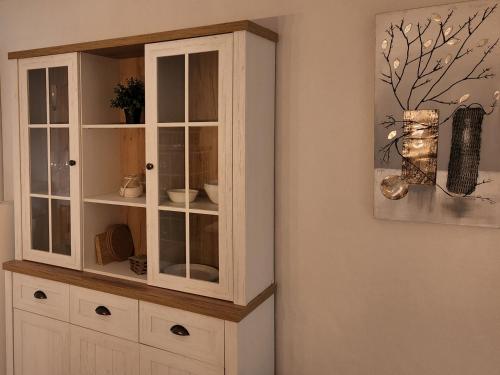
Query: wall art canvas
point(437, 125)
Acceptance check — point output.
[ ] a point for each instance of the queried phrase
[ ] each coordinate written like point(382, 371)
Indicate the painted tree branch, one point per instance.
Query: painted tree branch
point(471, 29)
point(483, 75)
point(390, 77)
point(442, 26)
point(425, 71)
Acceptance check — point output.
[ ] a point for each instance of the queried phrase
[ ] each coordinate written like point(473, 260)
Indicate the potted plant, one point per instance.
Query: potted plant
point(130, 98)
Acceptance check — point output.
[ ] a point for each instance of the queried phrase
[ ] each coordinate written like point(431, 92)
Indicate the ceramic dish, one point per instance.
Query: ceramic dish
point(179, 195)
point(212, 192)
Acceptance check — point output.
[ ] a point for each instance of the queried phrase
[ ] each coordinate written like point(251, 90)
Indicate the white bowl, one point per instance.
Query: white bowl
point(212, 192)
point(179, 195)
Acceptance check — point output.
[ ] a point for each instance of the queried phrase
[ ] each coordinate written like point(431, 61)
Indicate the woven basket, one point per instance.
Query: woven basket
point(139, 264)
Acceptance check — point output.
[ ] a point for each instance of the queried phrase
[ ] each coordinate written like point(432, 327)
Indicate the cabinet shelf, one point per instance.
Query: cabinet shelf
point(167, 205)
point(98, 79)
point(116, 269)
point(200, 206)
point(189, 124)
point(51, 126)
point(114, 126)
point(115, 199)
point(204, 205)
point(97, 219)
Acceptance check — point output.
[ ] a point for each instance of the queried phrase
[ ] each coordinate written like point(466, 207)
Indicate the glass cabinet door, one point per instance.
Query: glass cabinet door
point(189, 96)
point(49, 154)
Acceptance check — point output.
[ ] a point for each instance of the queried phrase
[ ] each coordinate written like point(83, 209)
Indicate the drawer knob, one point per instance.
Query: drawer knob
point(39, 295)
point(102, 310)
point(179, 330)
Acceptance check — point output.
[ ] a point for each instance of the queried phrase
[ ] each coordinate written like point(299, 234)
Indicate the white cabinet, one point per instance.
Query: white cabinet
point(204, 150)
point(40, 296)
point(189, 146)
point(104, 312)
point(159, 362)
point(50, 148)
point(135, 336)
point(192, 335)
point(41, 345)
point(94, 353)
point(45, 346)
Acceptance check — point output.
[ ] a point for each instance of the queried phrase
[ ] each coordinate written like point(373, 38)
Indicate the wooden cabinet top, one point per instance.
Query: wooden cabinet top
point(201, 305)
point(133, 46)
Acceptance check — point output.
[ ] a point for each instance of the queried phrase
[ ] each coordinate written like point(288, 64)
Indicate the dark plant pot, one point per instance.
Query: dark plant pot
point(463, 167)
point(133, 116)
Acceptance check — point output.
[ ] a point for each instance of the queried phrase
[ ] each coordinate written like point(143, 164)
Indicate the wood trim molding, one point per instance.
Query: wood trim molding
point(190, 302)
point(133, 46)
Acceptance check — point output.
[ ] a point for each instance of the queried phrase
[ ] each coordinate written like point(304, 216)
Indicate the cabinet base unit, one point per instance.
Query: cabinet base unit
point(61, 322)
point(250, 343)
point(41, 345)
point(98, 353)
point(156, 362)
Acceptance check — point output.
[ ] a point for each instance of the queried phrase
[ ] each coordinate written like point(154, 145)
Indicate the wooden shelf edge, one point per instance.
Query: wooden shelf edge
point(114, 126)
point(97, 200)
point(130, 46)
point(184, 301)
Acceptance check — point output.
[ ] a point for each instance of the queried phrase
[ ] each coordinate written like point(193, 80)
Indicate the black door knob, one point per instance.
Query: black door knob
point(179, 330)
point(149, 166)
point(72, 163)
point(102, 310)
point(39, 295)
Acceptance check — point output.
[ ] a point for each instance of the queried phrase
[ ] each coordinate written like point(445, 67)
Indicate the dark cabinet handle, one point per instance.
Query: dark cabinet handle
point(149, 166)
point(39, 295)
point(102, 310)
point(72, 163)
point(179, 330)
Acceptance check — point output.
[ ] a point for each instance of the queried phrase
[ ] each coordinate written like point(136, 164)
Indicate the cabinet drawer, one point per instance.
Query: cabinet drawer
point(104, 312)
point(40, 296)
point(163, 327)
point(155, 361)
point(97, 353)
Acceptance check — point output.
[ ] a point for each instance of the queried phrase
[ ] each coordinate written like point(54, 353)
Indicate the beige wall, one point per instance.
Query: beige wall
point(356, 295)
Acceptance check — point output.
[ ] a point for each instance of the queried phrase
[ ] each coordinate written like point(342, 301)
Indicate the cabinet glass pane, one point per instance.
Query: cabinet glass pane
point(61, 226)
point(37, 96)
point(203, 86)
point(38, 161)
point(173, 243)
point(58, 95)
point(204, 247)
point(171, 80)
point(40, 224)
point(203, 166)
point(59, 157)
point(171, 168)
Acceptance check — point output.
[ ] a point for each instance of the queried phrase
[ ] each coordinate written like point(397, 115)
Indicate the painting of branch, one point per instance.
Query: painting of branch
point(437, 128)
